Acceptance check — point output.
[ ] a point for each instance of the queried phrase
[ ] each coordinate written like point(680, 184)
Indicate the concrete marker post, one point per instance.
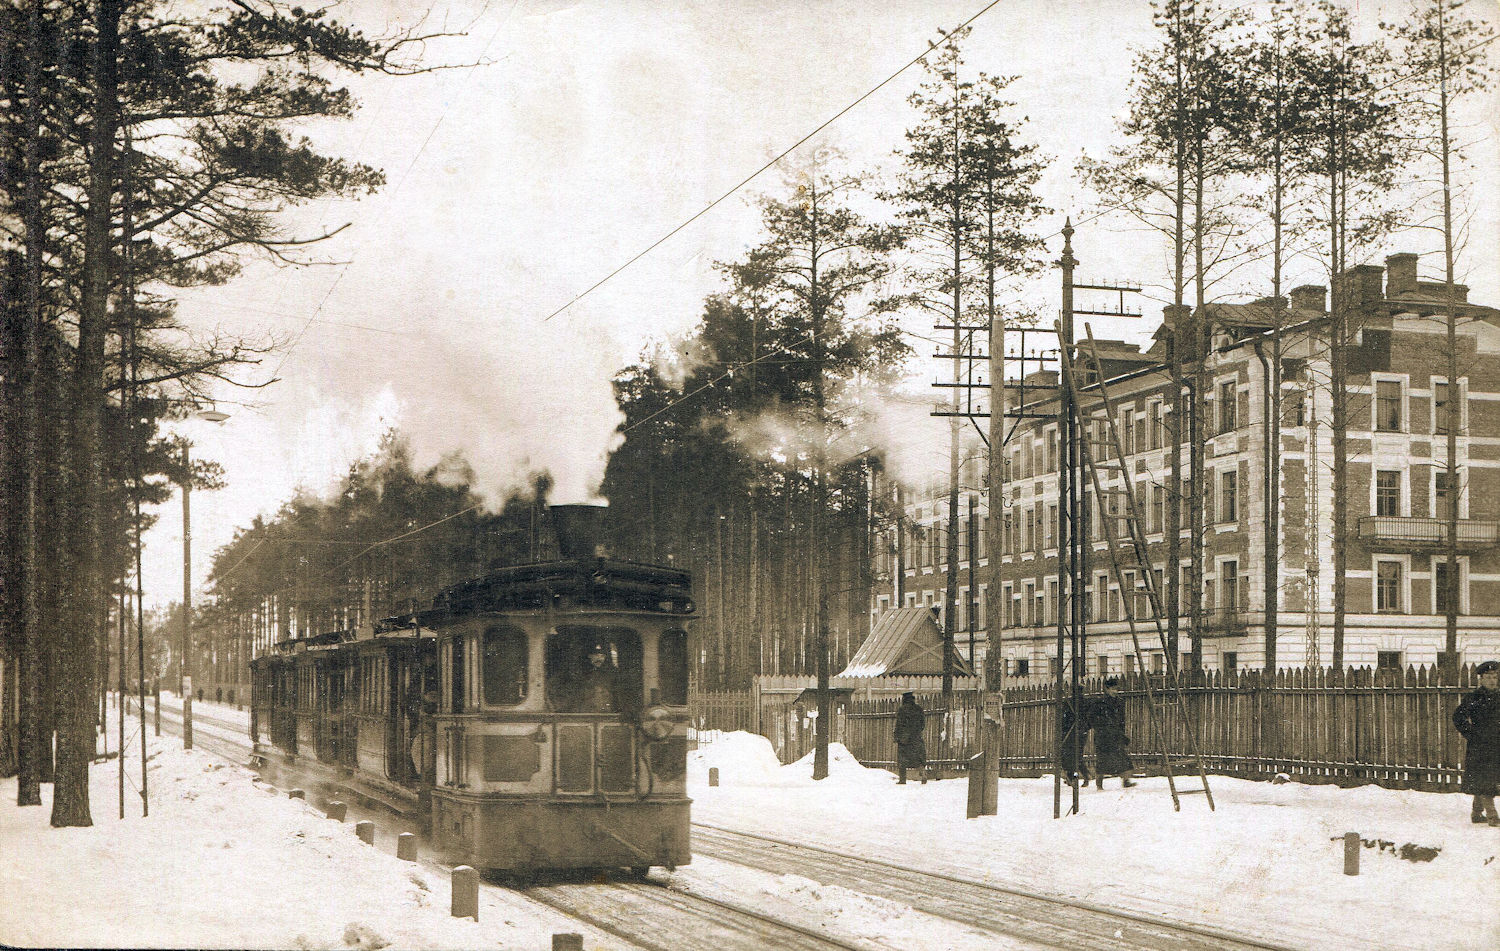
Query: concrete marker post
point(465, 893)
point(713, 775)
point(567, 941)
point(337, 811)
point(1351, 853)
point(406, 847)
point(366, 831)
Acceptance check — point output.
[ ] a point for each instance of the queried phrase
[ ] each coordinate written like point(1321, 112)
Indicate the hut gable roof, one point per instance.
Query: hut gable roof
point(905, 641)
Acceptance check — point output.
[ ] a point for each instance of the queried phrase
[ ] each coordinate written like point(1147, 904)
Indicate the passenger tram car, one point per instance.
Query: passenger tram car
point(536, 716)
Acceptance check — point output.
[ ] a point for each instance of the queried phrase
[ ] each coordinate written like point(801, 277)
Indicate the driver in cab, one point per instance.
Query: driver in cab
point(597, 691)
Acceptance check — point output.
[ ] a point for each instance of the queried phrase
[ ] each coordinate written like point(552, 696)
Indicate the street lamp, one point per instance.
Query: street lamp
point(186, 667)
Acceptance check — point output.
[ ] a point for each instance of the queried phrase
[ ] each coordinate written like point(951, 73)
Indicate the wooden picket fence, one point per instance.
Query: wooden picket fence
point(950, 734)
point(721, 711)
point(1391, 727)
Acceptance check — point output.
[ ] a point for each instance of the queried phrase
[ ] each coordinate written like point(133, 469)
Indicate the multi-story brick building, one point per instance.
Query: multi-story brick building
point(1396, 478)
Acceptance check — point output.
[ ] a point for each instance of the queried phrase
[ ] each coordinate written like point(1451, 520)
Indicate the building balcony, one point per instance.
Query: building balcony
point(1410, 534)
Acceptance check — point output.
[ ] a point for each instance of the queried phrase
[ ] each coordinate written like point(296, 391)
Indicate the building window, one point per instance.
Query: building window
point(1388, 581)
point(1041, 607)
point(1155, 436)
point(1030, 606)
point(1440, 493)
point(1388, 660)
point(1023, 666)
point(1228, 406)
point(1441, 590)
point(1440, 406)
point(1128, 663)
point(1388, 415)
point(1127, 431)
point(1388, 492)
point(1293, 411)
point(1229, 508)
point(1230, 662)
point(1050, 438)
point(1102, 665)
point(1051, 528)
point(1229, 586)
point(1158, 662)
point(1052, 605)
point(1158, 508)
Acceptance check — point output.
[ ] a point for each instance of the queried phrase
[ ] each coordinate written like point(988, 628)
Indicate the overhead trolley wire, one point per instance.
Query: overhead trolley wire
point(793, 147)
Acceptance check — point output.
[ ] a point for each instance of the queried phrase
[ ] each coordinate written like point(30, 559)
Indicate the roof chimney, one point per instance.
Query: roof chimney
point(1310, 297)
point(1361, 282)
point(580, 530)
point(1400, 274)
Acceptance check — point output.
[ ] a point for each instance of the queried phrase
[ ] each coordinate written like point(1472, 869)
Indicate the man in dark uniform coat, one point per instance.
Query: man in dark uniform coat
point(1112, 746)
point(1478, 719)
point(911, 752)
point(597, 689)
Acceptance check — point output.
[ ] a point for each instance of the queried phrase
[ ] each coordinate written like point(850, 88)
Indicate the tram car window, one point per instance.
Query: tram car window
point(594, 669)
point(504, 665)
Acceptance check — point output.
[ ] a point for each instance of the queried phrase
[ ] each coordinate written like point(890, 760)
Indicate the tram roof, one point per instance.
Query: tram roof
point(602, 582)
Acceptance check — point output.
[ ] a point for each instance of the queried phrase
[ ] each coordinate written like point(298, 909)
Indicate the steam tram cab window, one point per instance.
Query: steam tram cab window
point(672, 667)
point(504, 665)
point(594, 669)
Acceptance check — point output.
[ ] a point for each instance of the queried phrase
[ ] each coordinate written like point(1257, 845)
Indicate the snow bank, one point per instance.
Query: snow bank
point(745, 759)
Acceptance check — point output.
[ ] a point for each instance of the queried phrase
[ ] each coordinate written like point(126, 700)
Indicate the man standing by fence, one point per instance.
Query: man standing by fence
point(911, 752)
point(1478, 719)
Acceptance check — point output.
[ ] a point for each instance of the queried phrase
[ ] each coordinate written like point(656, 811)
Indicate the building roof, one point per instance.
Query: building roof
point(904, 641)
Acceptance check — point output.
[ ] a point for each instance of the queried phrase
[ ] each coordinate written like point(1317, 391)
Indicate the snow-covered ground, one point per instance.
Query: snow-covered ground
point(226, 861)
point(1268, 863)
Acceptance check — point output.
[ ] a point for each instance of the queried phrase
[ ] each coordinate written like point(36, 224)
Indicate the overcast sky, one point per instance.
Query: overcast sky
point(593, 129)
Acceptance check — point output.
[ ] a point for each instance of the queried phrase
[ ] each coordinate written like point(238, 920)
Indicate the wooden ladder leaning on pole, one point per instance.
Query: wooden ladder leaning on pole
point(1136, 558)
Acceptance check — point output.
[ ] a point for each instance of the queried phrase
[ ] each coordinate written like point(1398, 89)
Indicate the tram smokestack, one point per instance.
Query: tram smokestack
point(580, 530)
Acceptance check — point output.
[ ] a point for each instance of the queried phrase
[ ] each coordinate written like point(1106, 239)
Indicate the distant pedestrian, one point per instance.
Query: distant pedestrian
point(1111, 744)
point(911, 752)
point(1075, 729)
point(1478, 719)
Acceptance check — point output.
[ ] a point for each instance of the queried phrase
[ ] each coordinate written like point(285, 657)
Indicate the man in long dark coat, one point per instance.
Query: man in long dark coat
point(1478, 719)
point(911, 752)
point(1111, 744)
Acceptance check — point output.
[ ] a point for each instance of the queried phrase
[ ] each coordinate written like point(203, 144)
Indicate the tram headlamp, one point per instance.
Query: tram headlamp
point(657, 723)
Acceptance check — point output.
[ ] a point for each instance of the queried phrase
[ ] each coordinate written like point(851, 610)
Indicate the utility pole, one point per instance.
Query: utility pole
point(1070, 565)
point(1072, 527)
point(186, 666)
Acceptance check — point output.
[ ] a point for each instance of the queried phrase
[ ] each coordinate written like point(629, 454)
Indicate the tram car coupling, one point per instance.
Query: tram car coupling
point(538, 714)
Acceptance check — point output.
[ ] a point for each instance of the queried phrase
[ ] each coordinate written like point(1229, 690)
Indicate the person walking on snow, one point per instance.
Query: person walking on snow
point(1107, 717)
point(911, 752)
point(1478, 719)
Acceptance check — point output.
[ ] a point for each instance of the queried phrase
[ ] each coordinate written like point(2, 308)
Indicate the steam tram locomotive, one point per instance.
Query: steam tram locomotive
point(536, 715)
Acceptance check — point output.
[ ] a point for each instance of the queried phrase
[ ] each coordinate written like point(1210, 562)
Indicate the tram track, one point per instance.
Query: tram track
point(1014, 913)
point(660, 918)
point(655, 916)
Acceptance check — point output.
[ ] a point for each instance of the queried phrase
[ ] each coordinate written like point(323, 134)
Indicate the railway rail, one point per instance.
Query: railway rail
point(1015, 913)
point(653, 916)
point(659, 918)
